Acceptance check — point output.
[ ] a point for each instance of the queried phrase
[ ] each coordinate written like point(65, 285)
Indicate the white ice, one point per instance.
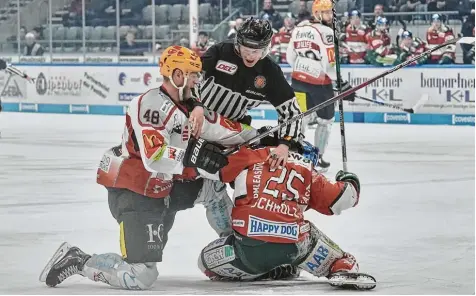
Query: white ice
point(413, 228)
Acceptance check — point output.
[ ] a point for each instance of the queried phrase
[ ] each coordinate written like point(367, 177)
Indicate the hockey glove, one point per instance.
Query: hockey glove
point(346, 86)
point(269, 140)
point(349, 177)
point(245, 120)
point(203, 155)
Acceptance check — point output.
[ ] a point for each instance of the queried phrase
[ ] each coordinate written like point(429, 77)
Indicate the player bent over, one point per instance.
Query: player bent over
point(139, 175)
point(268, 222)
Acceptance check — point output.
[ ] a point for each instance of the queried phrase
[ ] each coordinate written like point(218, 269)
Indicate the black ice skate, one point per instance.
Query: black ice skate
point(282, 272)
point(67, 261)
point(323, 165)
point(352, 280)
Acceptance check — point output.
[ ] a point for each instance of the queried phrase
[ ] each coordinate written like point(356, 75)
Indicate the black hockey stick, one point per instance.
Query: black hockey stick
point(336, 30)
point(413, 109)
point(466, 40)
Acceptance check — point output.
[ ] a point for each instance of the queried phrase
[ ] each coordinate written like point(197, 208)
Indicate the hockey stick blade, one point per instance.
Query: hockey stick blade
point(466, 40)
point(340, 96)
point(424, 98)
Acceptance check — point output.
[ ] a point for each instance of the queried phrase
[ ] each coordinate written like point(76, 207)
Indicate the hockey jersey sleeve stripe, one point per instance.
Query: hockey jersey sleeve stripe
point(286, 111)
point(236, 111)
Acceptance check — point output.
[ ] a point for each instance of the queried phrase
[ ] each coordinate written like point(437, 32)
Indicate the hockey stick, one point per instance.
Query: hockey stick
point(339, 86)
point(15, 71)
point(420, 102)
point(348, 92)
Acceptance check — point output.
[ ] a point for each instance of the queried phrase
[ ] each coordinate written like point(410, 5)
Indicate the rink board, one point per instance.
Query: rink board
point(107, 89)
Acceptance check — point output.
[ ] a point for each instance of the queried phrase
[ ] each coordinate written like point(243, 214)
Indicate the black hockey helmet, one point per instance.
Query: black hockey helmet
point(254, 33)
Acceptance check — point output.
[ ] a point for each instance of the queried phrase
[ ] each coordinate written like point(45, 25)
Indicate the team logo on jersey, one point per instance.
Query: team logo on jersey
point(260, 81)
point(226, 67)
point(153, 144)
point(231, 125)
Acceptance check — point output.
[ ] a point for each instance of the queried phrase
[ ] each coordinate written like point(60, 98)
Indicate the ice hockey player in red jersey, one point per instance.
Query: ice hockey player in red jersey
point(280, 41)
point(139, 175)
point(379, 43)
point(269, 225)
point(203, 44)
point(438, 34)
point(355, 42)
point(411, 46)
point(311, 54)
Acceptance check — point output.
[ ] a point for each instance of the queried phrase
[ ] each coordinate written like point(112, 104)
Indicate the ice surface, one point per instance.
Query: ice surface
point(413, 228)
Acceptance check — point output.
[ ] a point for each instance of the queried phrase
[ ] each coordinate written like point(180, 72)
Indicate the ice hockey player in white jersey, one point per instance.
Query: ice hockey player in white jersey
point(139, 175)
point(311, 54)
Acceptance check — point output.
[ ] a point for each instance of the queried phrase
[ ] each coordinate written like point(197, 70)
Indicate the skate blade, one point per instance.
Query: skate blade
point(321, 170)
point(357, 281)
point(63, 249)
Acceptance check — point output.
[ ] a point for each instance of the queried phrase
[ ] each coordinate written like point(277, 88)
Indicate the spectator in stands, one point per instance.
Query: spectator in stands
point(442, 5)
point(184, 42)
point(234, 25)
point(411, 6)
point(390, 6)
point(303, 13)
point(270, 14)
point(280, 40)
point(467, 30)
point(378, 12)
point(22, 33)
point(76, 8)
point(203, 44)
point(130, 47)
point(32, 48)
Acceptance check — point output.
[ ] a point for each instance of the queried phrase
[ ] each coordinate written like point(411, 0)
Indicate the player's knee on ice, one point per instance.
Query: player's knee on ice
point(111, 269)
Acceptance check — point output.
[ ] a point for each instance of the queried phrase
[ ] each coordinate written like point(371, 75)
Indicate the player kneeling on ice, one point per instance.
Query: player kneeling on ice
point(268, 222)
point(139, 175)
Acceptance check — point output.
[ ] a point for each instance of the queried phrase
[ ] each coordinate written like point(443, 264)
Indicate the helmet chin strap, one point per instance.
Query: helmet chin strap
point(263, 55)
point(180, 89)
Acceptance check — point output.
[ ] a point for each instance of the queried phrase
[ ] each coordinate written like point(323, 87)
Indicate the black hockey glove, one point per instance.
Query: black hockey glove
point(346, 86)
point(349, 177)
point(269, 140)
point(204, 155)
point(245, 120)
point(3, 64)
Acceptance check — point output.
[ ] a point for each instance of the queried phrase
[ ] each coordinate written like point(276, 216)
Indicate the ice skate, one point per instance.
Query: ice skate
point(67, 261)
point(323, 166)
point(352, 280)
point(282, 272)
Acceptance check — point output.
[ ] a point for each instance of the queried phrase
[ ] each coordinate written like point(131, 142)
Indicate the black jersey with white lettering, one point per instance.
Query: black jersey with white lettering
point(231, 89)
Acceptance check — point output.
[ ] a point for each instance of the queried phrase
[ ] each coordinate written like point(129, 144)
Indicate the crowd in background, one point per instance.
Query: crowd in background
point(357, 32)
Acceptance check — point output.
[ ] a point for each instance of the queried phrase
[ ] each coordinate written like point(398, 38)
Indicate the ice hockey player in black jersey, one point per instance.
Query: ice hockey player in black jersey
point(239, 76)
